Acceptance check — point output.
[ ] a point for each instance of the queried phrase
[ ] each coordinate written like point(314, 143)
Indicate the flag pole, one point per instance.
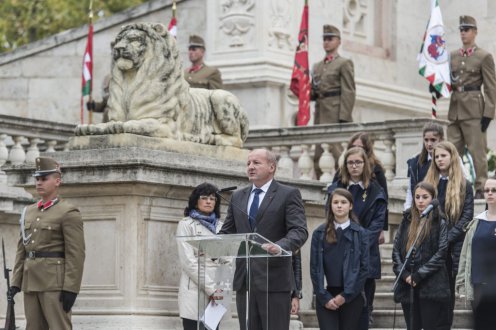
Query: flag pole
point(174, 8)
point(90, 17)
point(434, 105)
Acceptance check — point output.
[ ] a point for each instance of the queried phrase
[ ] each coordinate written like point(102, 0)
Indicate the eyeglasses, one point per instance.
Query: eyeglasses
point(354, 163)
point(487, 190)
point(464, 29)
point(208, 198)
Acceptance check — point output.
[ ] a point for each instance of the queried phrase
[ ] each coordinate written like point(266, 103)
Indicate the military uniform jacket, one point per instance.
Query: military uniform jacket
point(334, 76)
point(472, 71)
point(207, 77)
point(59, 228)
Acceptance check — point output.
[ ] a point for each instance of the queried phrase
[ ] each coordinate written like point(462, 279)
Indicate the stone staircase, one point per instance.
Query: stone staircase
point(387, 314)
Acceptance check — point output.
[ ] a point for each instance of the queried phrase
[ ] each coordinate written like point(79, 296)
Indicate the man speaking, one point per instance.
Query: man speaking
point(276, 212)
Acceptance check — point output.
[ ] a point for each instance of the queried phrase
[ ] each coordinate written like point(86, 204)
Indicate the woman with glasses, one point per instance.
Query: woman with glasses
point(456, 199)
point(476, 278)
point(202, 218)
point(369, 205)
point(364, 141)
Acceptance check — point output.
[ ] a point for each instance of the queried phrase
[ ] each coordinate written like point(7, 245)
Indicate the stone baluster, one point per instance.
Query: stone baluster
point(51, 146)
point(344, 147)
point(326, 164)
point(4, 155)
point(17, 156)
point(285, 163)
point(388, 160)
point(33, 150)
point(305, 163)
point(66, 146)
point(4, 152)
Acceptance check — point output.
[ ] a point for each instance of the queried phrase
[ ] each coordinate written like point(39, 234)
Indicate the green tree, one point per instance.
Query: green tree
point(25, 21)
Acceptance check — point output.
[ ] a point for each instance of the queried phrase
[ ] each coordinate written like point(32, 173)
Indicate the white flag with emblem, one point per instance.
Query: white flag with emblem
point(434, 56)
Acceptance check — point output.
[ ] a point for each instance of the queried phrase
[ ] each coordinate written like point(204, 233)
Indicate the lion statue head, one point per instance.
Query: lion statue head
point(144, 66)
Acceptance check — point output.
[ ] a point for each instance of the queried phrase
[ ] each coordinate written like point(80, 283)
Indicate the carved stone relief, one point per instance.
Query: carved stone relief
point(280, 19)
point(355, 15)
point(236, 19)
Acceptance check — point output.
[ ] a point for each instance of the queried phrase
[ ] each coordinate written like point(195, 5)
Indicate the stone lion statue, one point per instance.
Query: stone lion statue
point(149, 95)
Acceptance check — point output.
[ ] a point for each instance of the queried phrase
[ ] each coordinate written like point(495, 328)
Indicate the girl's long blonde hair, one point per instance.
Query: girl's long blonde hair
point(455, 190)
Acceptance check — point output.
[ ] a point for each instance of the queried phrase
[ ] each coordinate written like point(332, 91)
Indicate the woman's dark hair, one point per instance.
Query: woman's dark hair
point(438, 131)
point(331, 229)
point(415, 216)
point(204, 189)
point(368, 146)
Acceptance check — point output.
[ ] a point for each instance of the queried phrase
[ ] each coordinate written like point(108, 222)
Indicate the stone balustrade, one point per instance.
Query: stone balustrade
point(22, 140)
point(395, 142)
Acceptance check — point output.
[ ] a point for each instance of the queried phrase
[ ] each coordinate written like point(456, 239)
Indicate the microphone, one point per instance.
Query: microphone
point(432, 205)
point(229, 202)
point(227, 189)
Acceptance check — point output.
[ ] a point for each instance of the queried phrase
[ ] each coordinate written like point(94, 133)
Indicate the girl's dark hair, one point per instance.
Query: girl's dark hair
point(204, 189)
point(331, 230)
point(415, 216)
point(368, 147)
point(433, 128)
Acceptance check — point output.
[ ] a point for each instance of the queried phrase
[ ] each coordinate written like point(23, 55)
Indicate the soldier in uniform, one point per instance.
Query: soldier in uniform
point(470, 111)
point(50, 254)
point(333, 88)
point(200, 75)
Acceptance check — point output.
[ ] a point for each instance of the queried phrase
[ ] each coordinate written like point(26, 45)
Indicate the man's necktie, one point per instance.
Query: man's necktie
point(254, 208)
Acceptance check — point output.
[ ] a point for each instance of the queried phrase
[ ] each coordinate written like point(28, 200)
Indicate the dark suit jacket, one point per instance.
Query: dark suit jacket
point(280, 219)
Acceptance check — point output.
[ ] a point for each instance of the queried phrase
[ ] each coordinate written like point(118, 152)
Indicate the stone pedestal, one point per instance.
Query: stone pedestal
point(131, 200)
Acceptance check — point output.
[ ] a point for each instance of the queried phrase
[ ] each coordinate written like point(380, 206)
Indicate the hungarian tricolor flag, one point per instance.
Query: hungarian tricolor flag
point(173, 22)
point(173, 27)
point(87, 77)
point(433, 57)
point(300, 79)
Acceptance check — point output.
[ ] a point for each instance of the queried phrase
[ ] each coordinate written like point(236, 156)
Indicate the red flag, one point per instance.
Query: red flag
point(300, 79)
point(87, 76)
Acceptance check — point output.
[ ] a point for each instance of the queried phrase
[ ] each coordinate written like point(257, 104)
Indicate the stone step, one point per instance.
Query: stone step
point(388, 318)
point(384, 300)
point(385, 319)
point(385, 283)
point(387, 267)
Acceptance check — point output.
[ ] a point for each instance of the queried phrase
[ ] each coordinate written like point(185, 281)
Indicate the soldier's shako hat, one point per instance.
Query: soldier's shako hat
point(196, 41)
point(468, 21)
point(331, 31)
point(46, 166)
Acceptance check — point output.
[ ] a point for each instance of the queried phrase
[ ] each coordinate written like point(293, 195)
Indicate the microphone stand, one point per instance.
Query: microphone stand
point(247, 252)
point(410, 258)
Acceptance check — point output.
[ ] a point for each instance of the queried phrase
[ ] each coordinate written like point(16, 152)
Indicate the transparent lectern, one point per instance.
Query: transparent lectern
point(228, 263)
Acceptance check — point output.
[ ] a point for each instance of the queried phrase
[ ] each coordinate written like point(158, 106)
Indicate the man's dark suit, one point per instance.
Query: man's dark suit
point(280, 219)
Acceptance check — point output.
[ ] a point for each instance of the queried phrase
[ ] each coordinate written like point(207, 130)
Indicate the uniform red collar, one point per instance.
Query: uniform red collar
point(467, 52)
point(48, 204)
point(195, 68)
point(329, 58)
